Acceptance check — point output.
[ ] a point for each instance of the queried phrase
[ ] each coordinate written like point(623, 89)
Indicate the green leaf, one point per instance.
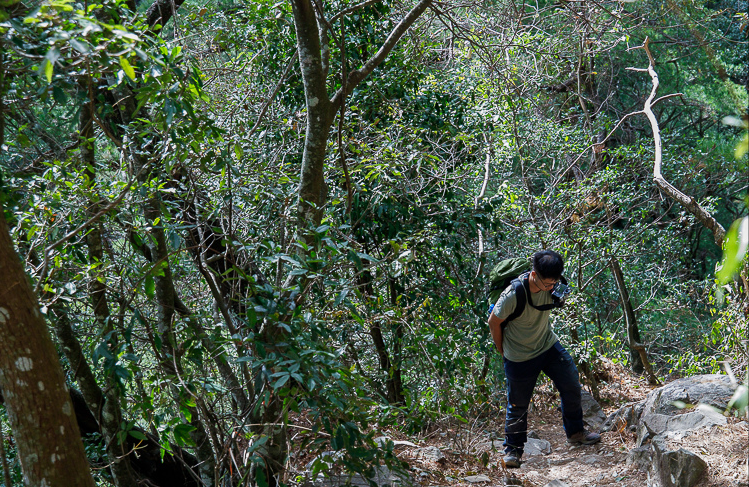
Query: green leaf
point(186, 413)
point(79, 46)
point(129, 71)
point(102, 351)
point(353, 257)
point(47, 66)
point(341, 296)
point(182, 434)
point(59, 95)
point(743, 146)
point(137, 435)
point(280, 382)
point(260, 478)
point(48, 70)
point(740, 399)
point(368, 257)
point(734, 250)
point(23, 140)
point(150, 286)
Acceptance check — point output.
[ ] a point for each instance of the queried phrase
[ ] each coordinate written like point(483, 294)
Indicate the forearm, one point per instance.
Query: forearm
point(495, 328)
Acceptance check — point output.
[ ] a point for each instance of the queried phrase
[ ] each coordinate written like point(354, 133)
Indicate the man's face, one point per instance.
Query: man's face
point(543, 284)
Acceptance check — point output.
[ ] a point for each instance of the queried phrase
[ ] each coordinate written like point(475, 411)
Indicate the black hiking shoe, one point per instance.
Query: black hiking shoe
point(511, 460)
point(584, 438)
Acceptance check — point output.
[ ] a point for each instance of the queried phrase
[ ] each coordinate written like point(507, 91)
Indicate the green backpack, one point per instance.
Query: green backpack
point(502, 275)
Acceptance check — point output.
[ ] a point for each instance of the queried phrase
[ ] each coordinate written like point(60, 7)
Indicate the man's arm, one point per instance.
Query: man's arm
point(495, 327)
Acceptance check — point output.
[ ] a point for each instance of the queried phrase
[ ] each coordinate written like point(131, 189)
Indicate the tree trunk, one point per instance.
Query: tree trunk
point(395, 375)
point(320, 115)
point(39, 407)
point(166, 299)
point(312, 192)
point(637, 353)
point(321, 108)
point(393, 383)
point(633, 332)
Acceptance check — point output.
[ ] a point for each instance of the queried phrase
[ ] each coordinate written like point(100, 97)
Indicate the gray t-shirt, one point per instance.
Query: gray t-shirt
point(529, 335)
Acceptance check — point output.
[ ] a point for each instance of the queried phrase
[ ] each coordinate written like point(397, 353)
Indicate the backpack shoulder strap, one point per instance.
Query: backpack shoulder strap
point(518, 287)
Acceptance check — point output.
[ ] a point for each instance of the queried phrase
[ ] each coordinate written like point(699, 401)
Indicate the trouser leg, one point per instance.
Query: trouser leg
point(560, 368)
point(521, 379)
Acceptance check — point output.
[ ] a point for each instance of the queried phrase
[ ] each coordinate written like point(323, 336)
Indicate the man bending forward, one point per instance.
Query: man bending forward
point(529, 347)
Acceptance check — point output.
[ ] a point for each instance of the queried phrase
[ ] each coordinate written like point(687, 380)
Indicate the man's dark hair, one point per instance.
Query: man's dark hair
point(548, 264)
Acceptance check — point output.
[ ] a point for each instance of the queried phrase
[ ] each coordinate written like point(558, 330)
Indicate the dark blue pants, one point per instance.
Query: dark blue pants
point(557, 364)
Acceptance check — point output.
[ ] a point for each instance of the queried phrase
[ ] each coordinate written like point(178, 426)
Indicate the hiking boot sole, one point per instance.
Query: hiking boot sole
point(584, 442)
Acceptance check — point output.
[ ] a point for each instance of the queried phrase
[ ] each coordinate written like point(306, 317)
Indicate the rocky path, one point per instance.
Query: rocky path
point(661, 440)
point(672, 436)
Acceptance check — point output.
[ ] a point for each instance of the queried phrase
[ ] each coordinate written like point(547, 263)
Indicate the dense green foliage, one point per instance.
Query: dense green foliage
point(222, 320)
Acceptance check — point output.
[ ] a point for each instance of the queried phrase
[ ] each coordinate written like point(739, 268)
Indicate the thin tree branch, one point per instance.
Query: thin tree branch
point(482, 193)
point(347, 11)
point(273, 95)
point(75, 231)
point(341, 151)
point(356, 76)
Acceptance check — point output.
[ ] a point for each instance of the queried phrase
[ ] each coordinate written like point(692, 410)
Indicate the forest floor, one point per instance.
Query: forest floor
point(473, 452)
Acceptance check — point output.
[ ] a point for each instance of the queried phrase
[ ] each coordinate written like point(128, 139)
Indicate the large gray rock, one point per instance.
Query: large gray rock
point(640, 457)
point(695, 420)
point(671, 468)
point(643, 435)
point(592, 413)
point(512, 480)
point(712, 389)
point(676, 468)
point(679, 425)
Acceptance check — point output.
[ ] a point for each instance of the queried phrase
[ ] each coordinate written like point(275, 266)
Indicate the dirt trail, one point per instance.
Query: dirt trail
point(473, 453)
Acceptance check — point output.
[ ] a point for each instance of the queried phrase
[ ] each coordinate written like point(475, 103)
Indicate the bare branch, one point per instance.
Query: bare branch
point(688, 201)
point(666, 97)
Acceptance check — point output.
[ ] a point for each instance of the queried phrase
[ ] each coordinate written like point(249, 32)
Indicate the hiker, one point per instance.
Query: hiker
point(529, 346)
